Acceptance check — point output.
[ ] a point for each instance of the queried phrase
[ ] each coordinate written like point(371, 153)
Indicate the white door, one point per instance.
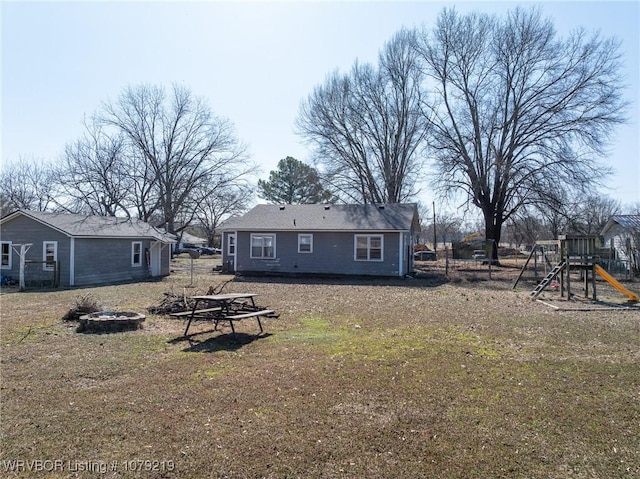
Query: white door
point(155, 261)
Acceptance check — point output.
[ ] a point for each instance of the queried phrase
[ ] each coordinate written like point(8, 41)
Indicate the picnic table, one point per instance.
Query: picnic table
point(228, 307)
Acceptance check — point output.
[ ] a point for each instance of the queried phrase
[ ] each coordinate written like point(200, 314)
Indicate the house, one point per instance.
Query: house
point(622, 233)
point(370, 240)
point(189, 241)
point(82, 250)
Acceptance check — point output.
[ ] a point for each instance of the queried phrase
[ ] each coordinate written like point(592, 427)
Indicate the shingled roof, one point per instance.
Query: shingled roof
point(628, 222)
point(94, 226)
point(318, 217)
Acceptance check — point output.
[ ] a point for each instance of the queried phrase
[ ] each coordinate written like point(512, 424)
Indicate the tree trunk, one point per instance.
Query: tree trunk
point(492, 230)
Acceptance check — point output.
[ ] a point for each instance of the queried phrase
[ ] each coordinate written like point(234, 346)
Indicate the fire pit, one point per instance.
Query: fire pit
point(105, 321)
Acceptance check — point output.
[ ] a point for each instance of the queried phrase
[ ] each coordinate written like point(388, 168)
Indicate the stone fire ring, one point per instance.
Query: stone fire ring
point(110, 321)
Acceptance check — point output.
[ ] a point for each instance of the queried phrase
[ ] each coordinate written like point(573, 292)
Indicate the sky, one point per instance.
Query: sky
point(252, 62)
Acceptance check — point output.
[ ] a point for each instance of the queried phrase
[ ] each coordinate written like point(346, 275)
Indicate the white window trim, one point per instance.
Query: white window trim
point(9, 245)
point(45, 266)
point(368, 236)
point(231, 244)
point(262, 235)
point(133, 255)
point(310, 236)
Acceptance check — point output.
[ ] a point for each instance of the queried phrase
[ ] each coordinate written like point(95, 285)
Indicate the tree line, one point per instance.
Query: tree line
point(497, 113)
point(160, 155)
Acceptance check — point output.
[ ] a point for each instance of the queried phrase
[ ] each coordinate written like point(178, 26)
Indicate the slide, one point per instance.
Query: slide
point(612, 281)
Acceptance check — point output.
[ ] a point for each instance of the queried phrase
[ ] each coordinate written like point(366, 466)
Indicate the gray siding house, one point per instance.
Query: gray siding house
point(84, 250)
point(369, 240)
point(622, 233)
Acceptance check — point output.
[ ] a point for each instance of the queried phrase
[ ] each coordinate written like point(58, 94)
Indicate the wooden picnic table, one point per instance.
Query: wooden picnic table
point(229, 307)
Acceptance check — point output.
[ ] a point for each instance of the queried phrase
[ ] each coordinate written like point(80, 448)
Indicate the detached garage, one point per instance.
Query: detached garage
point(81, 250)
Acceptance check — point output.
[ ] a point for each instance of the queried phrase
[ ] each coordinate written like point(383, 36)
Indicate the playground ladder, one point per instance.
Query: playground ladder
point(547, 279)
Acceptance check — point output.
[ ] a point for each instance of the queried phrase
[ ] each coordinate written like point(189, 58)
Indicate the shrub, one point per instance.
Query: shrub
point(84, 304)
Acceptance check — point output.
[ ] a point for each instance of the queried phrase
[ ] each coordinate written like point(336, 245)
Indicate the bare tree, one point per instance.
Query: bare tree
point(178, 146)
point(26, 184)
point(447, 228)
point(367, 127)
point(525, 228)
point(591, 214)
point(216, 206)
point(93, 177)
point(632, 208)
point(519, 113)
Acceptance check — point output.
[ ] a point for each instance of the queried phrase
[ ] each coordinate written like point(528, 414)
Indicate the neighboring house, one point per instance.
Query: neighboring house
point(83, 250)
point(190, 241)
point(372, 240)
point(622, 233)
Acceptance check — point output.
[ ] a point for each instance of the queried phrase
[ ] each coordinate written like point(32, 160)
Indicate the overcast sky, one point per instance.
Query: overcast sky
point(254, 62)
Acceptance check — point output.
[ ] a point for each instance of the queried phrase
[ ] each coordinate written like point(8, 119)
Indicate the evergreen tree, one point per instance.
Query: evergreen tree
point(294, 182)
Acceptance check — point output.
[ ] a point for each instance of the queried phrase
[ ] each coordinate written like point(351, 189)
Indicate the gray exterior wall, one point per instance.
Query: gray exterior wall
point(111, 265)
point(333, 253)
point(96, 260)
point(22, 230)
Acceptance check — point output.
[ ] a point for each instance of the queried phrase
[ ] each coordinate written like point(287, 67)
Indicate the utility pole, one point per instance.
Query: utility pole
point(435, 243)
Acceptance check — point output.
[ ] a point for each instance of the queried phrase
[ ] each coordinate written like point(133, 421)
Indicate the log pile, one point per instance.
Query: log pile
point(172, 303)
point(177, 303)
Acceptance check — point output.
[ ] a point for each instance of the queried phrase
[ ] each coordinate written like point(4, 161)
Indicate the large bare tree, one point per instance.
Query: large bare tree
point(519, 112)
point(367, 127)
point(176, 146)
point(94, 177)
point(26, 184)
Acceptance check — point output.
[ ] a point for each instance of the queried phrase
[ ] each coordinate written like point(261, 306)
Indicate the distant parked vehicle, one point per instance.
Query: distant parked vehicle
point(186, 250)
point(425, 255)
point(209, 251)
point(479, 254)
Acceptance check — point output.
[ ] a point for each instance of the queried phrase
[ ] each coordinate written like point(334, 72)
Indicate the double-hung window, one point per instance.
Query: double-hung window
point(136, 253)
point(49, 255)
point(263, 246)
point(5, 254)
point(231, 248)
point(305, 243)
point(368, 247)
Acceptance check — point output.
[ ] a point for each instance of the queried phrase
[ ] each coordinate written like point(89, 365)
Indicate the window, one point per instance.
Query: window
point(5, 254)
point(49, 254)
point(263, 246)
point(136, 253)
point(368, 247)
point(231, 248)
point(305, 243)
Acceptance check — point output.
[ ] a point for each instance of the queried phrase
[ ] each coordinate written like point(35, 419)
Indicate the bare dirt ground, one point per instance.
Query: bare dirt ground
point(436, 376)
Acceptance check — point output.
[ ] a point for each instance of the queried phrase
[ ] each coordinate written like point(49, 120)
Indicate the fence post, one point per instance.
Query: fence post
point(446, 261)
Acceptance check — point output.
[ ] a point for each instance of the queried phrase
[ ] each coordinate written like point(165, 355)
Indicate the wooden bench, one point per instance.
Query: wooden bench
point(250, 314)
point(197, 312)
point(244, 315)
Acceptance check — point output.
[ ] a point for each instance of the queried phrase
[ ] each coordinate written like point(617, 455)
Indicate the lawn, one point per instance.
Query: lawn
point(416, 378)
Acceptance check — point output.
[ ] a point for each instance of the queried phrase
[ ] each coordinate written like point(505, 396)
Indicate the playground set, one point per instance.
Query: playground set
point(566, 254)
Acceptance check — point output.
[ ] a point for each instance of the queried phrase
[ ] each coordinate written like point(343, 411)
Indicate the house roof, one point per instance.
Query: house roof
point(192, 239)
point(319, 217)
point(628, 222)
point(94, 226)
